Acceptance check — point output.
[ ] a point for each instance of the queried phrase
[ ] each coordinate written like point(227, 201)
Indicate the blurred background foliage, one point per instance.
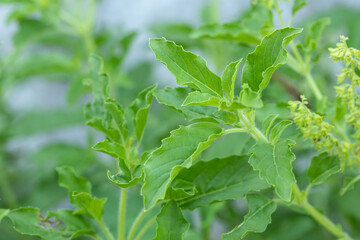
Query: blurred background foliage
point(51, 43)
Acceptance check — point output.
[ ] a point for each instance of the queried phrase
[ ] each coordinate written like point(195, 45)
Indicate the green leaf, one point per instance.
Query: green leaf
point(65, 224)
point(250, 98)
point(267, 57)
point(125, 180)
point(224, 179)
point(323, 166)
point(176, 152)
point(188, 68)
point(315, 33)
point(171, 223)
point(71, 181)
point(174, 98)
point(257, 219)
point(298, 4)
point(228, 79)
point(91, 206)
point(111, 148)
point(268, 122)
point(273, 161)
point(348, 184)
point(277, 130)
point(118, 114)
point(3, 213)
point(141, 107)
point(198, 98)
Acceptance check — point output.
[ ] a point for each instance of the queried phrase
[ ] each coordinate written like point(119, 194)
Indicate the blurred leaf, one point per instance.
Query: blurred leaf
point(176, 152)
point(224, 179)
point(348, 184)
point(274, 162)
point(257, 220)
point(71, 181)
point(3, 213)
point(298, 4)
point(185, 66)
point(315, 33)
point(43, 121)
point(323, 166)
point(66, 225)
point(171, 223)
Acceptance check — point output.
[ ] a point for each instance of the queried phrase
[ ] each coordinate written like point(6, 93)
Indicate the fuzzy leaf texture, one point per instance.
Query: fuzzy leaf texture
point(171, 223)
point(322, 167)
point(224, 179)
point(259, 216)
point(176, 152)
point(267, 57)
point(274, 163)
point(188, 68)
point(64, 226)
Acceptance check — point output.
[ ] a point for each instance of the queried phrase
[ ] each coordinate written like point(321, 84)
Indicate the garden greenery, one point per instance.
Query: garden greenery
point(243, 134)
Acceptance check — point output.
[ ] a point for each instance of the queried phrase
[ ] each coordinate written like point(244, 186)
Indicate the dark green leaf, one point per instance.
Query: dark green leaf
point(323, 166)
point(224, 179)
point(257, 220)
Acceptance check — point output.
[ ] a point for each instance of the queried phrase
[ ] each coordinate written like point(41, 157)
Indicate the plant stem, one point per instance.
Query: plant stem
point(247, 124)
point(320, 218)
point(122, 212)
point(145, 227)
point(106, 231)
point(136, 223)
point(277, 8)
point(313, 85)
point(5, 188)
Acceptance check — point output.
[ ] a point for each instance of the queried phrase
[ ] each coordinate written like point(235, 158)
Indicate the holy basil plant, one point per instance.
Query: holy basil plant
point(189, 177)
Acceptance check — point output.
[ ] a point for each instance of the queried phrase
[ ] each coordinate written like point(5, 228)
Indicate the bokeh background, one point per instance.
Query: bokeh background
point(42, 98)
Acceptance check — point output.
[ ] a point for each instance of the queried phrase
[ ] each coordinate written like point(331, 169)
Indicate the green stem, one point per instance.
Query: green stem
point(106, 231)
point(136, 223)
point(5, 188)
point(122, 213)
point(144, 228)
point(313, 85)
point(235, 130)
point(247, 124)
point(320, 218)
point(277, 8)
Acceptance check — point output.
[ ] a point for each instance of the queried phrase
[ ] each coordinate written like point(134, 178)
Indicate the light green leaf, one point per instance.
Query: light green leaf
point(91, 206)
point(348, 184)
point(257, 219)
point(250, 98)
point(315, 33)
point(277, 130)
point(176, 152)
point(141, 107)
point(323, 166)
point(268, 122)
point(267, 57)
point(66, 225)
point(174, 98)
point(298, 4)
point(273, 161)
point(3, 213)
point(111, 148)
point(118, 116)
point(188, 68)
point(126, 179)
point(198, 98)
point(71, 181)
point(171, 223)
point(224, 179)
point(228, 78)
